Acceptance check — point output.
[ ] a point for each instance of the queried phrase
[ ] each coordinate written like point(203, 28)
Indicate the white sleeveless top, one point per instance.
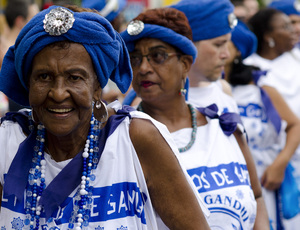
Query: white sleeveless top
point(218, 169)
point(120, 196)
point(284, 76)
point(263, 140)
point(213, 93)
point(258, 61)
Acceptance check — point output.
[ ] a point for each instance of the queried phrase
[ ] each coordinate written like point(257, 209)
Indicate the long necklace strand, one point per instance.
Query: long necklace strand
point(36, 179)
point(194, 127)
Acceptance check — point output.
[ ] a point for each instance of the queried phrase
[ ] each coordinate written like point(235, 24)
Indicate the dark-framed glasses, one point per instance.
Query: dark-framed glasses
point(156, 57)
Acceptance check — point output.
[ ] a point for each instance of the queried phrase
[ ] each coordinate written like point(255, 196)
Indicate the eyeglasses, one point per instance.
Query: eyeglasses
point(155, 58)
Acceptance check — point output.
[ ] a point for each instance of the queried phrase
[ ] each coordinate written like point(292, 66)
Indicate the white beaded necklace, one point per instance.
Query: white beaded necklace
point(36, 179)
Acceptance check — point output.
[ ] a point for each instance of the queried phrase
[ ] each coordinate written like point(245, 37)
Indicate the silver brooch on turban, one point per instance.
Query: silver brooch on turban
point(135, 27)
point(232, 20)
point(58, 21)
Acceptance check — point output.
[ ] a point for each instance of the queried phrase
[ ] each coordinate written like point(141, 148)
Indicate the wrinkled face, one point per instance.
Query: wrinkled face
point(282, 33)
point(212, 55)
point(62, 85)
point(295, 20)
point(159, 77)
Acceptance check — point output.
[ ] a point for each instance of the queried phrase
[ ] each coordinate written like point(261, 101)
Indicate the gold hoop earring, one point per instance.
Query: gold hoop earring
point(100, 111)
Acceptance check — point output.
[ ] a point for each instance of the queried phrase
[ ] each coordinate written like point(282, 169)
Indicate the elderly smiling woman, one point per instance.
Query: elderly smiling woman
point(63, 164)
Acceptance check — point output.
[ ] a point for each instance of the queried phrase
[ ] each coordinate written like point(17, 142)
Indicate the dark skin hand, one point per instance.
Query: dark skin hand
point(274, 174)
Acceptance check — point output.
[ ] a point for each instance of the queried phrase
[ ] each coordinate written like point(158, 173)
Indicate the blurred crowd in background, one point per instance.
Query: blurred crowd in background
point(16, 13)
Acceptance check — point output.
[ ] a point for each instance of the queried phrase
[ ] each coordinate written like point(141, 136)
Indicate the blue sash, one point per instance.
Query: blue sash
point(271, 112)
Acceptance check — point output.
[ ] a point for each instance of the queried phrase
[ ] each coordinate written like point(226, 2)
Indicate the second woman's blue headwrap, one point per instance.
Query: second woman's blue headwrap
point(105, 46)
point(137, 30)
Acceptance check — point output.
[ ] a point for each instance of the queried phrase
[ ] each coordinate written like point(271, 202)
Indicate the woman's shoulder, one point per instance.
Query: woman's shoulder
point(141, 127)
point(11, 126)
point(11, 136)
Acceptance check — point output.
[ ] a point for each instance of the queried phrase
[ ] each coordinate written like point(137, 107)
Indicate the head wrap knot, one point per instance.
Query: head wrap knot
point(104, 45)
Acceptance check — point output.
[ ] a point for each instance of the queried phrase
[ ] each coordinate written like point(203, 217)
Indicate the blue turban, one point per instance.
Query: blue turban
point(208, 18)
point(104, 45)
point(286, 6)
point(110, 10)
point(141, 30)
point(244, 40)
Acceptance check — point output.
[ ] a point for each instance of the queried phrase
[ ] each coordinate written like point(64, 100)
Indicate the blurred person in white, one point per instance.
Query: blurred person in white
point(17, 13)
point(276, 39)
point(291, 9)
point(272, 128)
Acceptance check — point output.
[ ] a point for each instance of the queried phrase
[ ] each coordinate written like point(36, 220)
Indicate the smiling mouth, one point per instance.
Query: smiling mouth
point(60, 111)
point(146, 84)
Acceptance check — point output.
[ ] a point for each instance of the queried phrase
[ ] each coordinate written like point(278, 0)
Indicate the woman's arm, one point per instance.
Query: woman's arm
point(262, 220)
point(274, 174)
point(170, 192)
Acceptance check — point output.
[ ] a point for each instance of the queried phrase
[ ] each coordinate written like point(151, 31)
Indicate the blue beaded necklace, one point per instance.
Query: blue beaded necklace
point(36, 179)
point(194, 126)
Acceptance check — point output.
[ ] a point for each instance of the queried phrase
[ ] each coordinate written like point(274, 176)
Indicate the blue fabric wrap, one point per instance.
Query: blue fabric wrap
point(100, 4)
point(208, 19)
point(164, 34)
point(244, 40)
point(271, 111)
point(228, 121)
point(104, 45)
point(286, 6)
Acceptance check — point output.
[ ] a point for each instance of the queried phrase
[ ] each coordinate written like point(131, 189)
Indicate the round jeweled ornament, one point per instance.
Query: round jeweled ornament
point(58, 21)
point(135, 27)
point(232, 20)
